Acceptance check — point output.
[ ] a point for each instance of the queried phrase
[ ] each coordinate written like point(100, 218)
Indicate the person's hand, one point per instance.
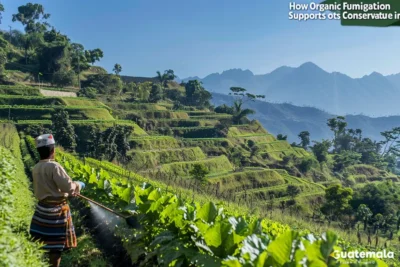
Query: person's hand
point(81, 185)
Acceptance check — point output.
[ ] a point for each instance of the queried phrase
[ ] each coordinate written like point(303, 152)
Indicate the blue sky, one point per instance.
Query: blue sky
point(196, 38)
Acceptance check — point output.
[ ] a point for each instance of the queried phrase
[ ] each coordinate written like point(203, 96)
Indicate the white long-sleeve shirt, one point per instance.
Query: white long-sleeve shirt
point(51, 180)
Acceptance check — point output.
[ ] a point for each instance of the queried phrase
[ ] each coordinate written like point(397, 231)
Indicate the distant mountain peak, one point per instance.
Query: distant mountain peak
point(310, 66)
point(237, 71)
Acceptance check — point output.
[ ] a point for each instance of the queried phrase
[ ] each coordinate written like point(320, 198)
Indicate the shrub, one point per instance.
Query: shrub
point(306, 164)
point(64, 78)
point(89, 92)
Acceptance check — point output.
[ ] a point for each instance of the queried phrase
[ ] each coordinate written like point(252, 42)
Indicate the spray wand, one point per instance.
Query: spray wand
point(131, 220)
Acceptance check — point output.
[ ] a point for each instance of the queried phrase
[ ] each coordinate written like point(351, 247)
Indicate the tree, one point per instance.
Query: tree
point(88, 92)
point(224, 109)
point(199, 172)
point(281, 137)
point(241, 93)
point(196, 95)
point(64, 78)
point(33, 17)
point(365, 214)
point(305, 139)
point(1, 10)
point(104, 83)
point(320, 150)
point(155, 93)
point(306, 164)
point(94, 55)
point(162, 79)
point(170, 75)
point(78, 61)
point(30, 42)
point(337, 201)
point(293, 191)
point(117, 69)
point(239, 113)
point(63, 130)
point(346, 158)
point(241, 97)
point(337, 126)
point(165, 77)
point(391, 144)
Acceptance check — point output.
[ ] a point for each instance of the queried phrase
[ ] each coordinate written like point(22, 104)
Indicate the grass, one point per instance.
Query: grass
point(247, 179)
point(150, 159)
point(210, 117)
point(137, 106)
point(16, 205)
point(154, 142)
point(21, 100)
point(19, 90)
point(162, 114)
point(246, 130)
point(182, 169)
point(185, 123)
point(43, 113)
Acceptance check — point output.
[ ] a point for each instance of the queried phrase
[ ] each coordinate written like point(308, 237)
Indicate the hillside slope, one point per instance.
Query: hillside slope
point(290, 120)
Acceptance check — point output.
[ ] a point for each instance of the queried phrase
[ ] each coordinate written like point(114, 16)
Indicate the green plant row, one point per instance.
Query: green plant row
point(177, 233)
point(247, 179)
point(182, 169)
point(10, 90)
point(150, 159)
point(40, 113)
point(49, 106)
point(16, 205)
point(153, 142)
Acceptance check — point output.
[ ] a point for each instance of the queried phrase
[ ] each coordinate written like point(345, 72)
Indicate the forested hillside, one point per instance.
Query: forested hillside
point(291, 120)
point(206, 185)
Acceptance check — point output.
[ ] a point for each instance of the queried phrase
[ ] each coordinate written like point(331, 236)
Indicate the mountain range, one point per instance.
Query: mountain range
point(290, 120)
point(310, 86)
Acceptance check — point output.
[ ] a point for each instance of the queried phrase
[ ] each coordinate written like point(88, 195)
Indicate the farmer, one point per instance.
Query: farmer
point(52, 222)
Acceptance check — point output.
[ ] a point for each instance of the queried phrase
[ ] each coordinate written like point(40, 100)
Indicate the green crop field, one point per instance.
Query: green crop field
point(19, 90)
point(138, 106)
point(247, 179)
point(151, 159)
point(43, 113)
point(217, 164)
point(154, 142)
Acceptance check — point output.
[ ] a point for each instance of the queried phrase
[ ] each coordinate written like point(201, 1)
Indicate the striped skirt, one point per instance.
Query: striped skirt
point(52, 225)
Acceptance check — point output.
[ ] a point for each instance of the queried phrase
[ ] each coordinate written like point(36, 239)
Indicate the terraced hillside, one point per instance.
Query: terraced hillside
point(172, 141)
point(194, 139)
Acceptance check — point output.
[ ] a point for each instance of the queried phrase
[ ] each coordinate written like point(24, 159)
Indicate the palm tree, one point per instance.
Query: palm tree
point(239, 113)
point(365, 214)
point(162, 79)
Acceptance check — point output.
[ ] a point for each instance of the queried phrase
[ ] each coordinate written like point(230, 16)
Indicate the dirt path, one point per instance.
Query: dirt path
point(57, 93)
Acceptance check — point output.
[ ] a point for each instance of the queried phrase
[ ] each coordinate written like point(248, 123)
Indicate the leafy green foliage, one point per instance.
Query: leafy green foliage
point(305, 139)
point(172, 232)
point(293, 190)
point(63, 130)
point(88, 92)
point(196, 95)
point(337, 201)
point(155, 93)
point(104, 83)
point(345, 159)
point(320, 150)
point(199, 172)
point(16, 207)
point(31, 16)
point(117, 69)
